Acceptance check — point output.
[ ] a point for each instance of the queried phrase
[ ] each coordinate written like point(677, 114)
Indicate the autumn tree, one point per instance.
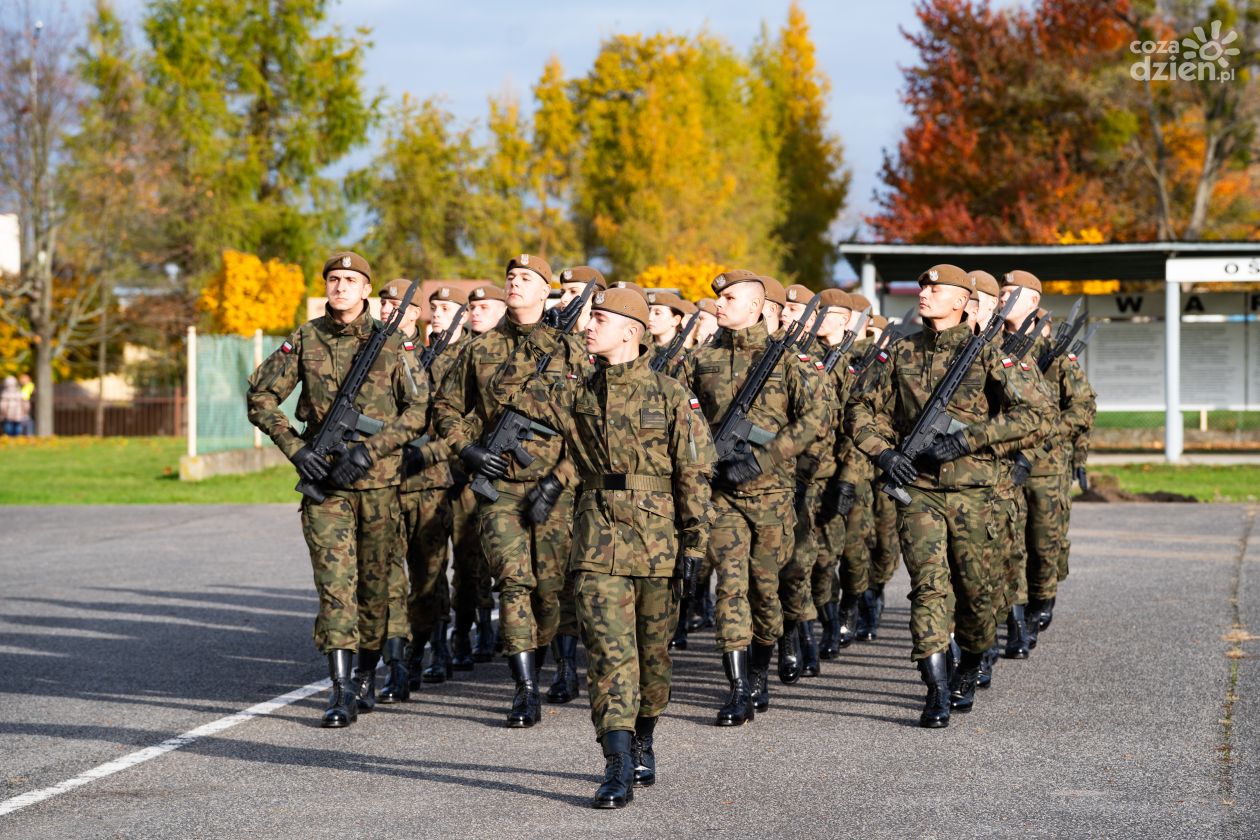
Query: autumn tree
point(693, 280)
point(553, 166)
point(248, 294)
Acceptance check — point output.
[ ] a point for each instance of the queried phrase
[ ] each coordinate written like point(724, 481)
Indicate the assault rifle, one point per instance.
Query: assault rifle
point(855, 328)
point(1063, 337)
point(675, 347)
point(442, 341)
point(890, 336)
point(935, 419)
point(512, 427)
point(344, 423)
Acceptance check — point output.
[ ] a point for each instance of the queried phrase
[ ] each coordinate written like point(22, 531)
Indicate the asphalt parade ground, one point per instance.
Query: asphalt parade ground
point(157, 679)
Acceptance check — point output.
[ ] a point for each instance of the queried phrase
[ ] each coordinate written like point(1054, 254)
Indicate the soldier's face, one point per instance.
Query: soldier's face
point(408, 323)
point(706, 326)
point(662, 320)
point(835, 321)
point(792, 312)
point(443, 313)
point(346, 289)
point(937, 300)
point(606, 332)
point(568, 291)
point(525, 289)
point(1028, 301)
point(484, 314)
point(986, 305)
point(773, 313)
point(739, 306)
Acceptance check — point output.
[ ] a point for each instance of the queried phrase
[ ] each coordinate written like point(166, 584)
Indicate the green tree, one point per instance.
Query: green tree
point(499, 226)
point(553, 165)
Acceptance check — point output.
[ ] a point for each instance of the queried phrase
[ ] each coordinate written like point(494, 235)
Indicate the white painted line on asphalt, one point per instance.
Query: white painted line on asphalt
point(109, 768)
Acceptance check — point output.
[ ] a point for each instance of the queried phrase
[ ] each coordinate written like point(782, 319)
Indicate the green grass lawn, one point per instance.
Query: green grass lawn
point(92, 471)
point(1222, 421)
point(1205, 483)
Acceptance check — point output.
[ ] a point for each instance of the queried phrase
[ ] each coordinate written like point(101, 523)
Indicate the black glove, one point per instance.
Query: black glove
point(483, 461)
point(689, 570)
point(1082, 479)
point(798, 498)
point(838, 499)
point(898, 467)
point(352, 466)
point(551, 318)
point(310, 466)
point(947, 448)
point(541, 498)
point(737, 468)
point(1023, 468)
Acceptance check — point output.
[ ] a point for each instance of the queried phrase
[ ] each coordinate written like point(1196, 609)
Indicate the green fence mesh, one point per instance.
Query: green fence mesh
point(224, 363)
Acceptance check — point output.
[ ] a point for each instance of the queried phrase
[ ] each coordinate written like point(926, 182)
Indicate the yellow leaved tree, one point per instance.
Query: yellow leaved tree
point(691, 279)
point(247, 295)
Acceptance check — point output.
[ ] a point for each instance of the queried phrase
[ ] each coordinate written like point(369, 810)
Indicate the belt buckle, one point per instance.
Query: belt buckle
point(615, 481)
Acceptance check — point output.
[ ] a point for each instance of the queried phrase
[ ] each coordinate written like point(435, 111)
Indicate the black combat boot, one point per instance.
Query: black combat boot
point(952, 654)
point(789, 654)
point(415, 663)
point(1016, 634)
point(876, 609)
point(461, 642)
point(565, 685)
point(962, 687)
point(830, 647)
point(692, 617)
point(1032, 621)
point(847, 610)
point(641, 752)
point(1047, 614)
point(706, 606)
point(484, 651)
point(861, 620)
point(525, 705)
point(738, 707)
point(936, 678)
point(809, 650)
point(439, 669)
point(679, 642)
point(365, 679)
point(618, 786)
point(343, 708)
point(868, 620)
point(397, 685)
point(987, 660)
point(759, 664)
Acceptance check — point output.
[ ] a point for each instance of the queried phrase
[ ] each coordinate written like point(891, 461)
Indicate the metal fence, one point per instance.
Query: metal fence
point(218, 372)
point(142, 416)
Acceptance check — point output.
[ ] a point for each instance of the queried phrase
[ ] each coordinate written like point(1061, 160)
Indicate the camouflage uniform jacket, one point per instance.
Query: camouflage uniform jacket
point(642, 450)
point(1071, 411)
point(438, 450)
point(318, 355)
point(993, 404)
point(854, 466)
point(819, 461)
point(789, 406)
point(465, 407)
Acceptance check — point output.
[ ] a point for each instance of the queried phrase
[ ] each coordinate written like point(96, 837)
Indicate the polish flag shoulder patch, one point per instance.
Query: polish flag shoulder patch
point(694, 403)
point(1071, 357)
point(818, 365)
point(882, 357)
point(1007, 362)
point(852, 369)
point(1024, 367)
point(287, 347)
point(571, 375)
point(803, 357)
point(408, 345)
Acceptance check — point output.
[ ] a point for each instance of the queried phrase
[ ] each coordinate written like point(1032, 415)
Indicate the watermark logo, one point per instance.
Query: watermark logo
point(1201, 57)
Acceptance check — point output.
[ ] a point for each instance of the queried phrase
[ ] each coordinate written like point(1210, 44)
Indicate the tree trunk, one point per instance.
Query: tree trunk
point(101, 367)
point(44, 381)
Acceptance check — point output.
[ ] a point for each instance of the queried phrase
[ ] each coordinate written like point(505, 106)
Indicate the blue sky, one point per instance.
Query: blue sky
point(465, 51)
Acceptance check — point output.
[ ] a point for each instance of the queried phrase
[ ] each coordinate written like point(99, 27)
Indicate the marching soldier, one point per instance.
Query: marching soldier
point(526, 555)
point(708, 324)
point(666, 314)
point(776, 299)
point(644, 453)
point(751, 537)
point(944, 529)
point(353, 535)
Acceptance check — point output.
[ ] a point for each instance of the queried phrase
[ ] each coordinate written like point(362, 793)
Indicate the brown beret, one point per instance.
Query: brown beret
point(1041, 313)
point(350, 260)
point(858, 301)
point(1022, 278)
point(837, 298)
point(947, 275)
point(583, 274)
point(673, 301)
point(622, 301)
point(796, 293)
point(396, 289)
point(535, 264)
point(449, 294)
point(707, 305)
point(635, 287)
point(487, 291)
point(775, 293)
point(985, 282)
point(879, 321)
point(733, 278)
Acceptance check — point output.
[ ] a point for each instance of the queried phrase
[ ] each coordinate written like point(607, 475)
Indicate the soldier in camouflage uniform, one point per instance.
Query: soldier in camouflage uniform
point(353, 535)
point(1079, 392)
point(643, 452)
point(751, 537)
point(526, 557)
point(947, 527)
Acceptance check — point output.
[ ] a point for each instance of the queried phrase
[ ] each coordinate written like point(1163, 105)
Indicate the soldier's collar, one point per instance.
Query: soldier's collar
point(512, 328)
point(360, 326)
point(755, 336)
point(637, 368)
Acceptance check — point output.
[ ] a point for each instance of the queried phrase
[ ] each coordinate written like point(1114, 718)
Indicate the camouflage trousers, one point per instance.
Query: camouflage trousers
point(859, 542)
point(528, 562)
point(356, 546)
point(796, 578)
point(427, 519)
point(1065, 545)
point(626, 624)
point(470, 581)
point(1044, 533)
point(946, 540)
point(829, 539)
point(1010, 557)
point(887, 549)
point(750, 541)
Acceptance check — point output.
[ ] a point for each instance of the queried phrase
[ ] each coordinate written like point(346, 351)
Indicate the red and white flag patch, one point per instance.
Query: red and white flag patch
point(1071, 357)
point(1024, 366)
point(883, 357)
point(694, 403)
point(571, 375)
point(1007, 362)
point(852, 369)
point(408, 345)
point(287, 347)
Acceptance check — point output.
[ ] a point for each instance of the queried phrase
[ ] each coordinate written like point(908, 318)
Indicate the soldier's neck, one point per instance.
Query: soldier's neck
point(664, 339)
point(622, 354)
point(525, 317)
point(349, 316)
point(953, 319)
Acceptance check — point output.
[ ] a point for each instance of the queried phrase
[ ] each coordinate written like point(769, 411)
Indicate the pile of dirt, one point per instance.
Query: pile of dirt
point(1106, 488)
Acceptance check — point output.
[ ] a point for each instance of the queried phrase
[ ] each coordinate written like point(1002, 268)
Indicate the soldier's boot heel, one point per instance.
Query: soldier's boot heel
point(1032, 622)
point(461, 642)
point(952, 654)
point(618, 787)
point(1047, 614)
point(830, 647)
point(739, 707)
point(1016, 634)
point(789, 654)
point(565, 685)
point(365, 679)
point(397, 687)
point(809, 650)
point(642, 754)
point(877, 609)
point(439, 669)
point(343, 707)
point(987, 661)
point(759, 664)
point(484, 651)
point(415, 664)
point(523, 713)
point(845, 615)
point(691, 614)
point(679, 641)
point(962, 687)
point(866, 622)
point(935, 674)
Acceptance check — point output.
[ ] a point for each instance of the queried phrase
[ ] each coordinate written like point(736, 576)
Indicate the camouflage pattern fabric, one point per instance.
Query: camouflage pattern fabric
point(828, 539)
point(1010, 556)
point(859, 538)
point(887, 549)
point(749, 543)
point(427, 520)
point(470, 580)
point(1044, 533)
point(795, 580)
